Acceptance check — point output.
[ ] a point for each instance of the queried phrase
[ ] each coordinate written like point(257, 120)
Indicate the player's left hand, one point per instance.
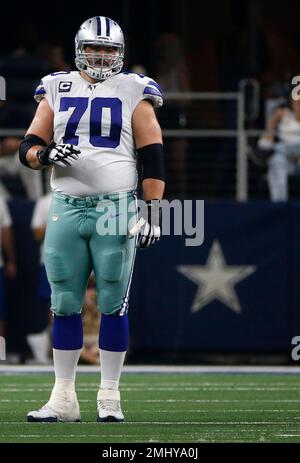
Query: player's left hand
point(148, 227)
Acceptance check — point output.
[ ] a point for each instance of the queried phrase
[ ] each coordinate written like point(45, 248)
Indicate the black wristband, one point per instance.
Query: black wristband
point(43, 154)
point(28, 142)
point(152, 159)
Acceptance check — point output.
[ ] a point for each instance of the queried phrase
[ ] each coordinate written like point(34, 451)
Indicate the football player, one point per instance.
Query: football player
point(91, 125)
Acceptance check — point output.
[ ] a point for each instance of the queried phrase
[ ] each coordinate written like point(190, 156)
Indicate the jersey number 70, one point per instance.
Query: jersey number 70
point(98, 104)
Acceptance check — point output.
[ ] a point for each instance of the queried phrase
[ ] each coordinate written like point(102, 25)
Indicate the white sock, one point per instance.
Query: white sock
point(63, 387)
point(65, 363)
point(39, 344)
point(111, 364)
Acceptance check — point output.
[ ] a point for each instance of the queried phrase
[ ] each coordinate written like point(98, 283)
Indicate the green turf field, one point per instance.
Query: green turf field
point(162, 408)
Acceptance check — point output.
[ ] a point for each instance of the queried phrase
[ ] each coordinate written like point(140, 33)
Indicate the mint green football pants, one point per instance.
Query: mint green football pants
point(75, 244)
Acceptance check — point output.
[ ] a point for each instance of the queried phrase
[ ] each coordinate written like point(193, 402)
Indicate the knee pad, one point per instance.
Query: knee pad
point(64, 303)
point(55, 267)
point(117, 310)
point(114, 276)
point(112, 266)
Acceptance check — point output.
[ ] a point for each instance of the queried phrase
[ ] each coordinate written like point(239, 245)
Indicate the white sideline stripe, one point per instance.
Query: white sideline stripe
point(169, 384)
point(182, 435)
point(167, 389)
point(131, 440)
point(158, 369)
point(176, 400)
point(103, 436)
point(160, 423)
point(210, 411)
point(218, 410)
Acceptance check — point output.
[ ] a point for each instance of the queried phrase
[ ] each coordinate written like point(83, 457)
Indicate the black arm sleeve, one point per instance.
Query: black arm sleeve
point(28, 142)
point(152, 159)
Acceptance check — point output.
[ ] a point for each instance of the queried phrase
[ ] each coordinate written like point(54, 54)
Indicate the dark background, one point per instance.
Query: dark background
point(223, 41)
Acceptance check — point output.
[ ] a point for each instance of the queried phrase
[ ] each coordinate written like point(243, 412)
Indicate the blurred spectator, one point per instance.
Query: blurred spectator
point(38, 338)
point(91, 323)
point(52, 52)
point(282, 141)
point(8, 265)
point(11, 169)
point(275, 95)
point(172, 76)
point(22, 72)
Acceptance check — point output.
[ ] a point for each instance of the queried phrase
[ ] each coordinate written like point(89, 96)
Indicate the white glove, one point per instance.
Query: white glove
point(63, 155)
point(148, 227)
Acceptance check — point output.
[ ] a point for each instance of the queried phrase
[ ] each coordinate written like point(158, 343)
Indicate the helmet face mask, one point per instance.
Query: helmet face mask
point(99, 32)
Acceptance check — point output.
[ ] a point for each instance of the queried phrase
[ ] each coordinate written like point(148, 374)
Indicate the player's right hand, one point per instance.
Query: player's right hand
point(63, 155)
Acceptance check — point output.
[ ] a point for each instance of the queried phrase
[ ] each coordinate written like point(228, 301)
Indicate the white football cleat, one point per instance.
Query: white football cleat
point(109, 406)
point(62, 407)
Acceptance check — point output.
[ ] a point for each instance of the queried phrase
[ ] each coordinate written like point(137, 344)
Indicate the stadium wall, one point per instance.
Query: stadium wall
point(237, 292)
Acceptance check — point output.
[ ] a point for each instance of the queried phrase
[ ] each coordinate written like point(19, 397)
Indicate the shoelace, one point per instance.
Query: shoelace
point(108, 404)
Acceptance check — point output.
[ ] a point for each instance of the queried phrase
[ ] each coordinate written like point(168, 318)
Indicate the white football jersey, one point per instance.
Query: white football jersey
point(96, 118)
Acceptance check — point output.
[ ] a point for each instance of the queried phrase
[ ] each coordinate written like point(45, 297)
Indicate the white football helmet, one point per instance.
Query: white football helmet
point(99, 31)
